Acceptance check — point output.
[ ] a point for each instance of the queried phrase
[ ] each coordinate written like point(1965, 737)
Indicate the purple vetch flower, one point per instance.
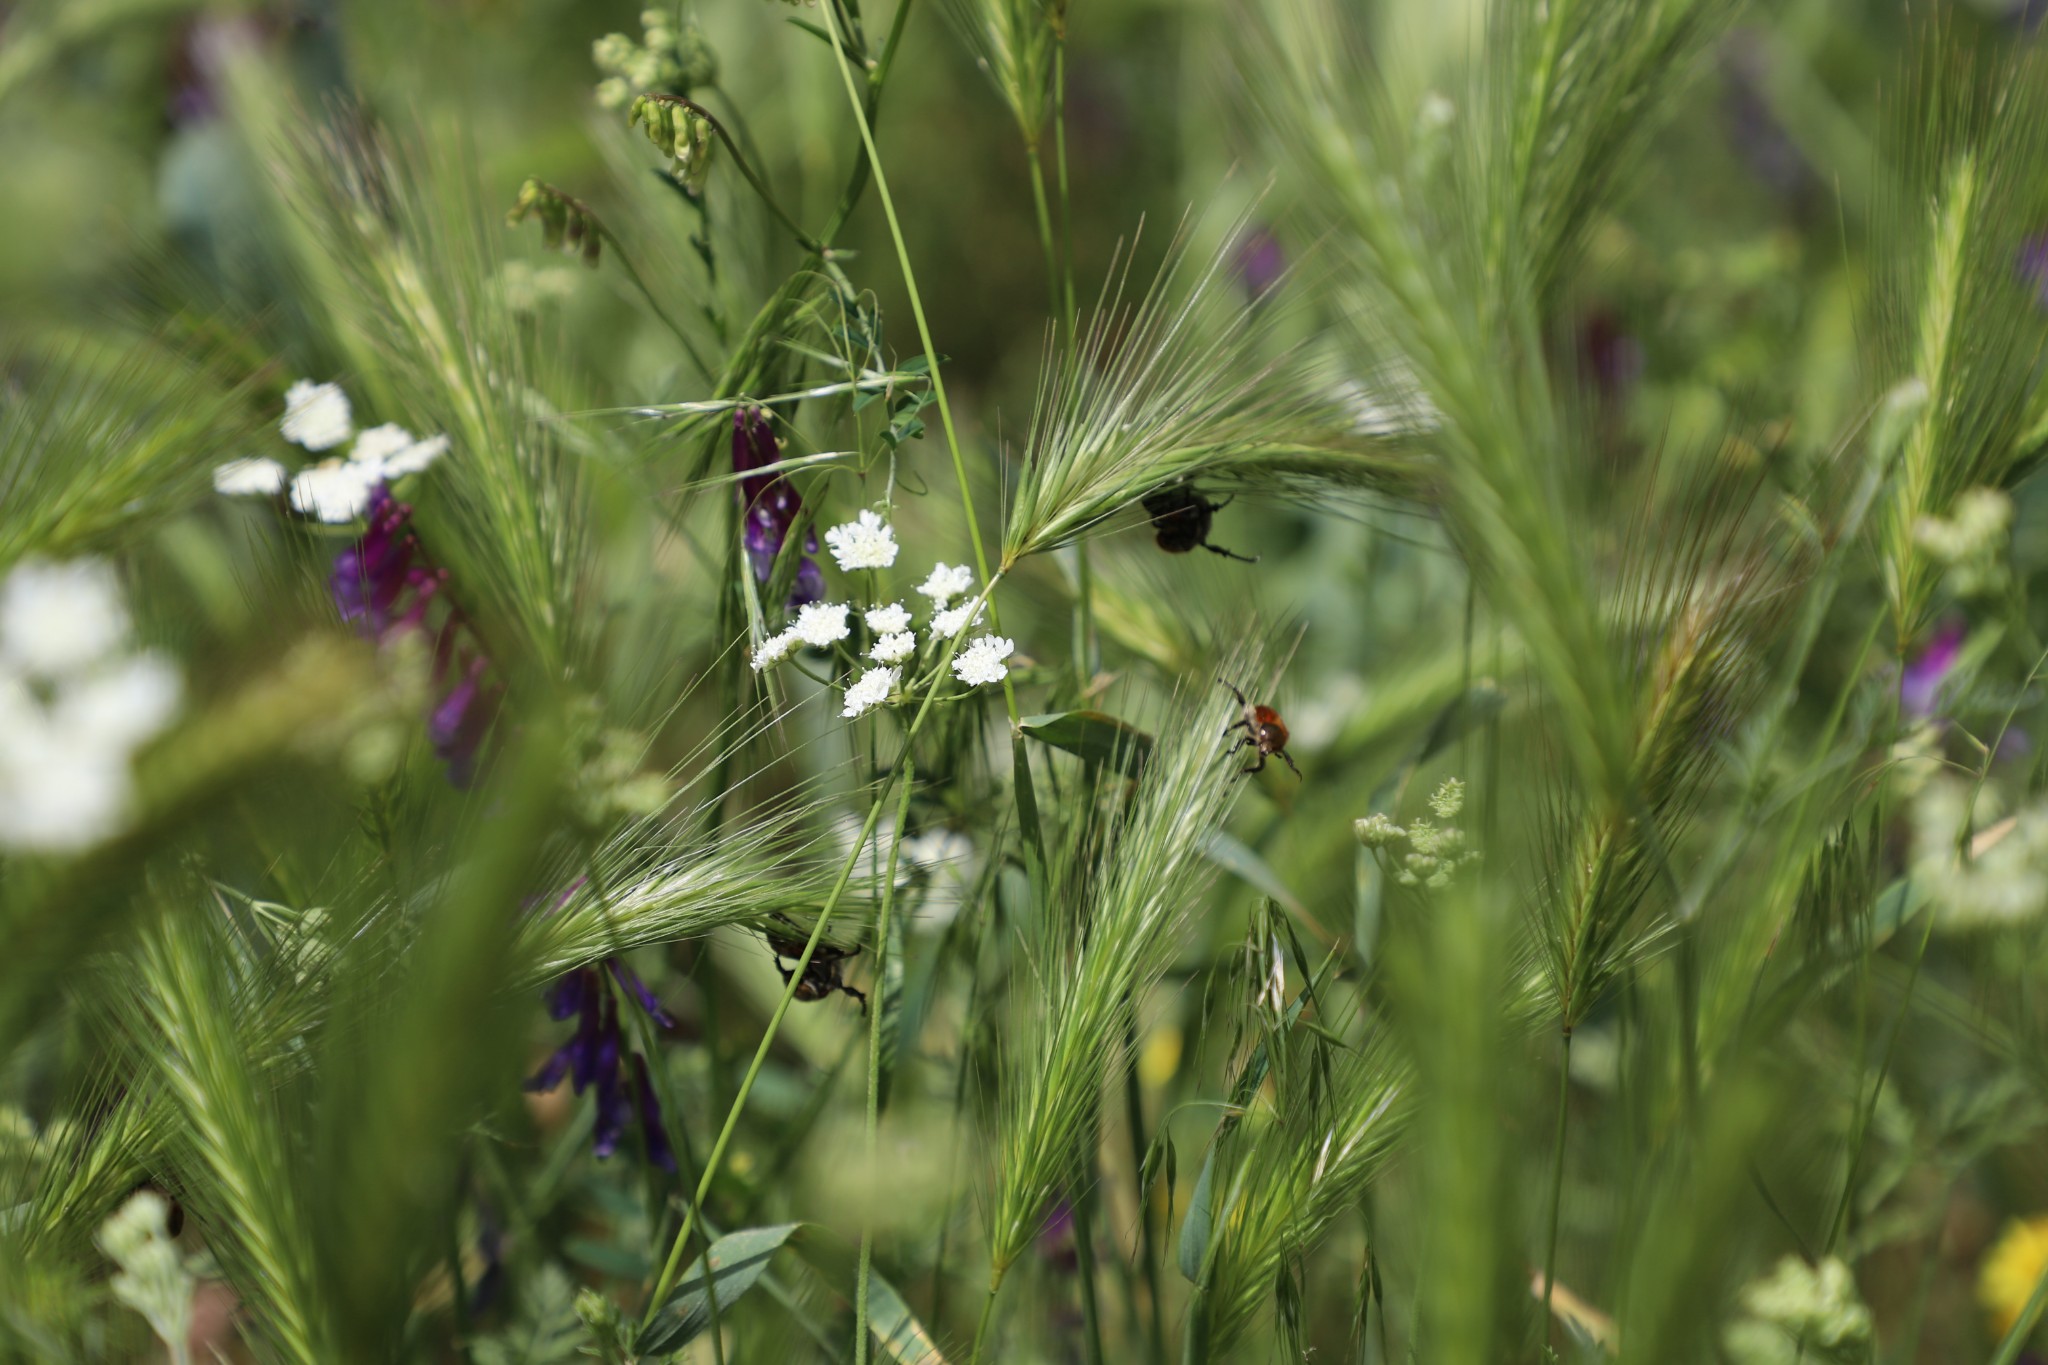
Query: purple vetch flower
point(1926, 673)
point(1260, 260)
point(461, 720)
point(384, 586)
point(596, 1054)
point(379, 584)
point(770, 504)
point(2034, 265)
point(1611, 354)
point(1056, 1238)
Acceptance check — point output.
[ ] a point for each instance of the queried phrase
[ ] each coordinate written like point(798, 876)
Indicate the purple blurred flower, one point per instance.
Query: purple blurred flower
point(771, 504)
point(1056, 1238)
point(1921, 683)
point(1260, 260)
point(593, 1056)
point(2034, 264)
point(461, 720)
point(384, 587)
point(1754, 129)
point(1611, 354)
point(372, 578)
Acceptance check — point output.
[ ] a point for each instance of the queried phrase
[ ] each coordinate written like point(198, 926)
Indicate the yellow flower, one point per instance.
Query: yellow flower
point(2013, 1270)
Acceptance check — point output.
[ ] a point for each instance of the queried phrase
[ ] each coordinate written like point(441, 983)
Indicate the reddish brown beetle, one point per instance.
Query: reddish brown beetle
point(1263, 730)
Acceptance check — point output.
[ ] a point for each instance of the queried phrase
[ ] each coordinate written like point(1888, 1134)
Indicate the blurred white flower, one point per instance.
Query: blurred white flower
point(393, 452)
point(249, 478)
point(774, 650)
point(953, 620)
point(946, 583)
point(123, 704)
point(154, 1279)
point(888, 620)
point(415, 457)
point(819, 624)
point(379, 443)
point(871, 690)
point(56, 618)
point(335, 491)
point(894, 649)
point(74, 706)
point(866, 543)
point(985, 661)
point(316, 416)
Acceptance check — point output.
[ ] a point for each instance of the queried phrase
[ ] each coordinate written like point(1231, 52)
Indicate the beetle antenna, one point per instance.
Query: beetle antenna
point(1229, 554)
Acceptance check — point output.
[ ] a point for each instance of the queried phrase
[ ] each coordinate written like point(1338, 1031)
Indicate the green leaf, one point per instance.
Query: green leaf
point(896, 1329)
point(737, 1260)
point(1248, 867)
point(1199, 1225)
point(1092, 736)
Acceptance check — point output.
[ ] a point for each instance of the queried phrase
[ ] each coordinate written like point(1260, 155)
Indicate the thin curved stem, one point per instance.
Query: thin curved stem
point(875, 1007)
point(1564, 1109)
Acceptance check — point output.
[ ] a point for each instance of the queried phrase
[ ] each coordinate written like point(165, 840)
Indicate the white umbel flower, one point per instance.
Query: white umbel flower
point(865, 543)
point(774, 650)
point(871, 690)
point(888, 620)
point(415, 457)
point(378, 444)
point(955, 620)
point(58, 618)
point(985, 661)
point(316, 416)
point(894, 649)
point(334, 491)
point(947, 582)
point(394, 452)
point(249, 478)
point(820, 624)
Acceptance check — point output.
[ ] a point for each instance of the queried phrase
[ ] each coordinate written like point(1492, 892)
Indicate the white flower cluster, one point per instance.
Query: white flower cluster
point(318, 417)
point(868, 542)
point(865, 543)
point(2003, 881)
point(154, 1279)
point(1801, 1312)
point(75, 704)
point(1972, 542)
point(1433, 852)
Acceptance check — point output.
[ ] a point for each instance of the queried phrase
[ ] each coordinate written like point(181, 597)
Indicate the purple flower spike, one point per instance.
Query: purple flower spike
point(594, 1058)
point(637, 988)
point(567, 996)
point(2034, 265)
point(459, 724)
point(1920, 685)
point(771, 505)
point(659, 1153)
point(1260, 260)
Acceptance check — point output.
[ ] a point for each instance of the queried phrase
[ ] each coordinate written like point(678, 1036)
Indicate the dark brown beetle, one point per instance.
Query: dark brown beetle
point(822, 975)
point(1182, 518)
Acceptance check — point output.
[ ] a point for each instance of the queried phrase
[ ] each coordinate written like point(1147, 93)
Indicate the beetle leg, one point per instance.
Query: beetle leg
point(1237, 725)
point(1289, 759)
point(1241, 702)
point(1257, 767)
point(1229, 554)
point(856, 994)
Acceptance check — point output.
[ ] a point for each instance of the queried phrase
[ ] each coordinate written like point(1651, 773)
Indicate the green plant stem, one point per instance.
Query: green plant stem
point(1084, 1257)
point(1070, 314)
point(1045, 236)
point(1564, 1109)
point(2023, 1326)
point(988, 1312)
point(1148, 1249)
point(924, 331)
point(874, 1115)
